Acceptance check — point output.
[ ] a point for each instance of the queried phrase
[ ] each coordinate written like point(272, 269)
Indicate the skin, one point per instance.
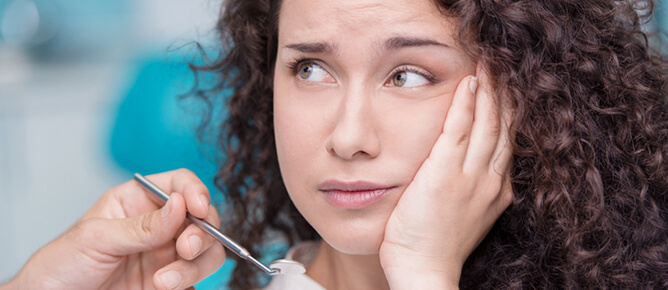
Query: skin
point(440, 146)
point(129, 240)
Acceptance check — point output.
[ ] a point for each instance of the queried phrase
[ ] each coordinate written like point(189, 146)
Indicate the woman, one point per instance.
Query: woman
point(360, 125)
point(357, 90)
point(360, 93)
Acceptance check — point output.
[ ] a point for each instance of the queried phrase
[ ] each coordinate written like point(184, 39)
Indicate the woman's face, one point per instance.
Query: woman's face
point(361, 91)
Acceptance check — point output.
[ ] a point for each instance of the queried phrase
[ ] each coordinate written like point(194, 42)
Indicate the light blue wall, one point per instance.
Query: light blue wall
point(59, 99)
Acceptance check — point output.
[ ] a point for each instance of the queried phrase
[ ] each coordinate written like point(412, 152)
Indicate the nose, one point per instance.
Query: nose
point(355, 134)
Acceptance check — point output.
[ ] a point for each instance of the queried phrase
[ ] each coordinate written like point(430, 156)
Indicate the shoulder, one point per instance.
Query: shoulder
point(303, 253)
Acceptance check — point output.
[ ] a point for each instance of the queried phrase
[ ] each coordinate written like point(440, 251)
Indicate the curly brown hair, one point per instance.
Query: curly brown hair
point(591, 127)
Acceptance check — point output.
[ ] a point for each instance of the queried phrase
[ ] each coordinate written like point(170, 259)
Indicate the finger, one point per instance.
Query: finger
point(505, 197)
point(502, 156)
point(140, 233)
point(181, 273)
point(500, 163)
point(194, 241)
point(193, 189)
point(485, 129)
point(187, 183)
point(451, 146)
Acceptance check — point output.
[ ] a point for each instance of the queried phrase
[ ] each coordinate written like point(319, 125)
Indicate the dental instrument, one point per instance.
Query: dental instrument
point(278, 267)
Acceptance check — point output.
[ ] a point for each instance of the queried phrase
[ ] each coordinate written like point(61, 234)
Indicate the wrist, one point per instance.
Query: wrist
point(420, 274)
point(406, 268)
point(404, 279)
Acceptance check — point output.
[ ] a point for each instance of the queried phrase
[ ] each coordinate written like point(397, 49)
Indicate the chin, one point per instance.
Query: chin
point(362, 237)
point(363, 244)
point(349, 231)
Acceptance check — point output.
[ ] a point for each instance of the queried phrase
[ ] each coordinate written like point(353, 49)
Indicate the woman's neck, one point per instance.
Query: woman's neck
point(335, 270)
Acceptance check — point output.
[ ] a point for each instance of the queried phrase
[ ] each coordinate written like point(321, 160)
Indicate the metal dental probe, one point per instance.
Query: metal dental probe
point(213, 231)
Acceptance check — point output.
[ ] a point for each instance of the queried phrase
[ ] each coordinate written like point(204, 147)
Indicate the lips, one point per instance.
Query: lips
point(353, 195)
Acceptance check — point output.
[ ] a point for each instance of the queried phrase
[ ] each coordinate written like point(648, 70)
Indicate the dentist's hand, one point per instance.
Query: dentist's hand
point(129, 240)
point(456, 196)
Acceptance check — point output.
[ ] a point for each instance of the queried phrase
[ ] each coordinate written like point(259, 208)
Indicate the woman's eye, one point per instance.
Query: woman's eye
point(313, 72)
point(407, 79)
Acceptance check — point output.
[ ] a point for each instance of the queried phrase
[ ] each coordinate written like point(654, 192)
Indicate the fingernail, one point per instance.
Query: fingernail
point(166, 208)
point(204, 200)
point(171, 279)
point(473, 84)
point(195, 244)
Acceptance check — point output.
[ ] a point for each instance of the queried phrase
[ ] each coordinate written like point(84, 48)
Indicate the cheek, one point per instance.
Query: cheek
point(407, 129)
point(299, 130)
point(288, 130)
point(411, 131)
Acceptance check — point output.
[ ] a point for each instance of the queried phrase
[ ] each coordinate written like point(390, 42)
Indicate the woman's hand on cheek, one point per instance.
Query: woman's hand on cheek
point(128, 239)
point(455, 197)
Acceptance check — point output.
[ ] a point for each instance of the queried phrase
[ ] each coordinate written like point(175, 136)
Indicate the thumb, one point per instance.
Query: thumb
point(145, 232)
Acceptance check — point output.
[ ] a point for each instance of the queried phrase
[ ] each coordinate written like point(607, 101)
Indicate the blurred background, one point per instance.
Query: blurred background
point(89, 94)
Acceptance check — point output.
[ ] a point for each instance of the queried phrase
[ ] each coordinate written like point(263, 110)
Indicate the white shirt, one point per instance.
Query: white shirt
point(304, 253)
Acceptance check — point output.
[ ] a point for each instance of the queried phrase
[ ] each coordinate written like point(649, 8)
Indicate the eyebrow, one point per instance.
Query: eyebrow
point(312, 47)
point(393, 43)
point(401, 42)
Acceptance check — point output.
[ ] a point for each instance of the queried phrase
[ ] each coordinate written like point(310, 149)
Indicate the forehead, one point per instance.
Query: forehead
point(319, 20)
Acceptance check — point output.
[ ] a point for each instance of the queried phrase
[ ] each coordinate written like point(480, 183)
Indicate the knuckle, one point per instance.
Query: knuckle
point(469, 108)
point(507, 196)
point(142, 229)
point(494, 128)
point(455, 136)
point(507, 200)
point(503, 196)
point(461, 138)
point(184, 172)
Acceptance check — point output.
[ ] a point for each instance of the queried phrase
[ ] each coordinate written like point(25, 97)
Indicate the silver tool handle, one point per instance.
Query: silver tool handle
point(209, 228)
